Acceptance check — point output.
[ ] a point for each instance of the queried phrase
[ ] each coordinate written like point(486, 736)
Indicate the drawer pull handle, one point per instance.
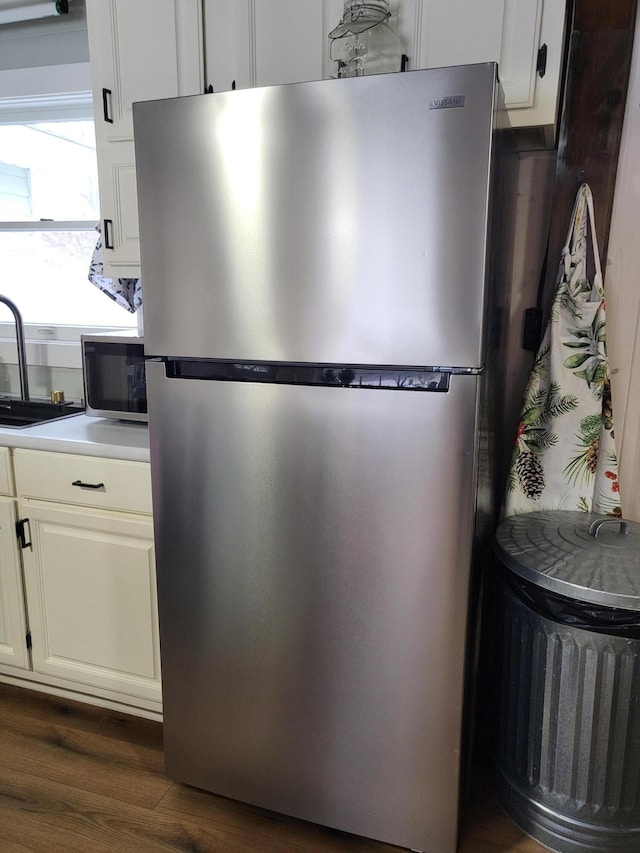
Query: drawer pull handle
point(95, 486)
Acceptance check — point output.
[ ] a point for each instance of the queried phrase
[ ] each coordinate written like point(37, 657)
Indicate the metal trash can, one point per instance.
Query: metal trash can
point(568, 754)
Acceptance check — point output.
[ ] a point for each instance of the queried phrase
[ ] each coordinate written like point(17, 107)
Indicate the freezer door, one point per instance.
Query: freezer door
point(313, 549)
point(342, 221)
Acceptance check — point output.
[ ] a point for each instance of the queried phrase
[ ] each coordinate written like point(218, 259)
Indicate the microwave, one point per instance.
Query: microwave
point(114, 376)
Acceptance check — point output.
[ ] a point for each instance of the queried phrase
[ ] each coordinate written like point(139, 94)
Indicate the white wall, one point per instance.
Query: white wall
point(57, 40)
point(622, 288)
point(45, 57)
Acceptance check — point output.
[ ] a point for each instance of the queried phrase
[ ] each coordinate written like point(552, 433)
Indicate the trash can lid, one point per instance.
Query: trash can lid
point(584, 556)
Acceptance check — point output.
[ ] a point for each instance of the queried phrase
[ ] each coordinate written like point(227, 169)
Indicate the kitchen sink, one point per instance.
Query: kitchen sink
point(23, 413)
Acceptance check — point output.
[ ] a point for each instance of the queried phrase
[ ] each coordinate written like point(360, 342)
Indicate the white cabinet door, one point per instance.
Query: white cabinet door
point(90, 584)
point(509, 32)
point(249, 43)
point(437, 33)
point(139, 50)
point(13, 629)
point(283, 41)
point(119, 210)
point(529, 27)
point(136, 54)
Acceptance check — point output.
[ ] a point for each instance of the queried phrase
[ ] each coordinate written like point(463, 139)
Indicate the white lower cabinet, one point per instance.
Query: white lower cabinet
point(13, 629)
point(90, 587)
point(13, 626)
point(87, 581)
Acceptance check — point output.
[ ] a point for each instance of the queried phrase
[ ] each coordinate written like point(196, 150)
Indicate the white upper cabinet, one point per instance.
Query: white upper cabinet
point(437, 33)
point(531, 60)
point(119, 209)
point(525, 38)
point(251, 43)
point(139, 50)
point(147, 49)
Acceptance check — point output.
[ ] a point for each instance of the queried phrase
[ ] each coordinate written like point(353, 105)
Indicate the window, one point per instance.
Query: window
point(48, 211)
point(49, 201)
point(15, 192)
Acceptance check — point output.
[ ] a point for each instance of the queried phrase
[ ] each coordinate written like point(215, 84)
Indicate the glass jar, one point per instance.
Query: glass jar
point(363, 42)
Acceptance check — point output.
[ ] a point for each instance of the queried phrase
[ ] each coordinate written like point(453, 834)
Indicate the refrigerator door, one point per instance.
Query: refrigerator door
point(313, 557)
point(342, 221)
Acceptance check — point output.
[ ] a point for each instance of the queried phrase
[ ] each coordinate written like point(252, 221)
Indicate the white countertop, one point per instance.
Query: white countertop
point(85, 436)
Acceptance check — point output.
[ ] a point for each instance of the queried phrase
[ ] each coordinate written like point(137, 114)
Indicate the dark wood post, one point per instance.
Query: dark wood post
point(596, 82)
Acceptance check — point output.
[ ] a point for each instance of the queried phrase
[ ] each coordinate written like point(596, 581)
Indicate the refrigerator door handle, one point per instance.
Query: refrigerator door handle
point(331, 375)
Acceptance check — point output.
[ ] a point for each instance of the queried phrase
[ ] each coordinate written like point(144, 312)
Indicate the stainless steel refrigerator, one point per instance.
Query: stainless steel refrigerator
point(318, 315)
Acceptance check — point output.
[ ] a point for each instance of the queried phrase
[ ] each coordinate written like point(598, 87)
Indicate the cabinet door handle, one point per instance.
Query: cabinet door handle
point(100, 487)
point(107, 226)
point(541, 62)
point(106, 104)
point(20, 531)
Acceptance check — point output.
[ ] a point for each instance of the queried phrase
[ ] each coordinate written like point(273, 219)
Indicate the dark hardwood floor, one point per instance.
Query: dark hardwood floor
point(78, 778)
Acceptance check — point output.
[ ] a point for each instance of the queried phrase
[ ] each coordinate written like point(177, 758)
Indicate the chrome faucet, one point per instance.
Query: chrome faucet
point(22, 349)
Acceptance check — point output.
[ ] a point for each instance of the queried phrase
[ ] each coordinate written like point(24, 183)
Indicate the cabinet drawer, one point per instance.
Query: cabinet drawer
point(6, 480)
point(84, 480)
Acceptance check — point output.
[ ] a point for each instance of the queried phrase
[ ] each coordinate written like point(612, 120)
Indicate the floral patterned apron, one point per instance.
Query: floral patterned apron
point(565, 456)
